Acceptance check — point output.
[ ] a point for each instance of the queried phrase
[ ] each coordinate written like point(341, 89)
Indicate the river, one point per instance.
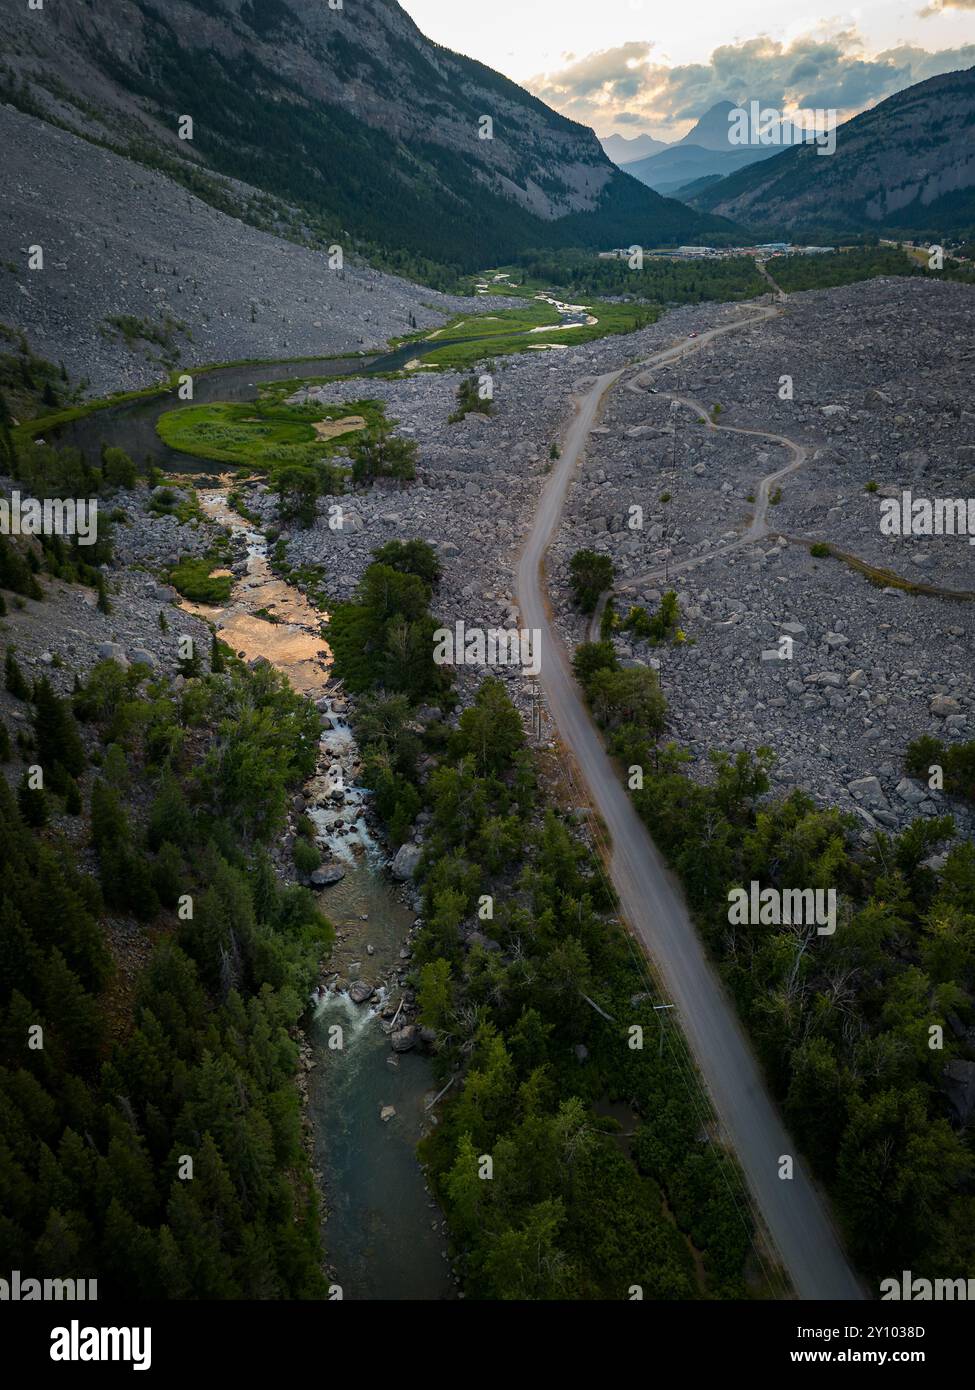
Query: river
point(382, 1234)
point(131, 425)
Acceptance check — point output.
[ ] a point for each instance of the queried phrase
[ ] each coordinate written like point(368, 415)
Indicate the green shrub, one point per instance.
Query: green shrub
point(306, 855)
point(591, 575)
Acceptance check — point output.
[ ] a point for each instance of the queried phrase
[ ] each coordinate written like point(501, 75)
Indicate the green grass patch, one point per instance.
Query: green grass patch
point(264, 435)
point(194, 579)
point(509, 333)
point(535, 314)
point(884, 578)
point(236, 500)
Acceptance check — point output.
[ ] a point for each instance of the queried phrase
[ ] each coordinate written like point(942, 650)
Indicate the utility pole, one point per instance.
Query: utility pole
point(536, 717)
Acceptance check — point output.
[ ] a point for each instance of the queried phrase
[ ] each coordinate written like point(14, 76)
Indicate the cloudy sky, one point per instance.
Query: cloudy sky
point(646, 65)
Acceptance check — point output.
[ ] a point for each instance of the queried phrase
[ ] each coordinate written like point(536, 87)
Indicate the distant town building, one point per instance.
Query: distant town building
point(722, 253)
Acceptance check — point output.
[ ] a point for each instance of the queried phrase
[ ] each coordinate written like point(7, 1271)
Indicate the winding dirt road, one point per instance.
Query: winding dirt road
point(651, 901)
point(757, 526)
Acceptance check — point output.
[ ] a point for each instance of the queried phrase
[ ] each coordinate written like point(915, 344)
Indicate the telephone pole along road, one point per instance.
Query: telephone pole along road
point(794, 1212)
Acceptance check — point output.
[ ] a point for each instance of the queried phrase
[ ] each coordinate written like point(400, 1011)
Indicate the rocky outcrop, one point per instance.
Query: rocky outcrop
point(327, 875)
point(406, 860)
point(404, 1038)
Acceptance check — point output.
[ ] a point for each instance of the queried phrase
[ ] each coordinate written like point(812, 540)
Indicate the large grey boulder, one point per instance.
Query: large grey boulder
point(868, 790)
point(327, 875)
point(487, 943)
point(910, 791)
point(405, 1038)
point(405, 863)
point(112, 651)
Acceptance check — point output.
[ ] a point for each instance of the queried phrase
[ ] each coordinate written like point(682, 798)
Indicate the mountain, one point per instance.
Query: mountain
point(714, 130)
point(907, 165)
point(141, 276)
point(690, 190)
point(625, 149)
point(681, 164)
point(350, 115)
point(707, 151)
point(711, 131)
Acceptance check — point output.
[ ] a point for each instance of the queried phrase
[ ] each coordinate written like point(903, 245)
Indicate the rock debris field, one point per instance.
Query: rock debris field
point(122, 242)
point(873, 666)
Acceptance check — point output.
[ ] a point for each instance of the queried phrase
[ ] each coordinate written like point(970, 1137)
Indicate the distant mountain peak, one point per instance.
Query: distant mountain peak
point(625, 149)
point(712, 129)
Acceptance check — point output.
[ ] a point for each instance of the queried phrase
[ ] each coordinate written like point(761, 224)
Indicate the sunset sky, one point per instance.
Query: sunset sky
point(639, 65)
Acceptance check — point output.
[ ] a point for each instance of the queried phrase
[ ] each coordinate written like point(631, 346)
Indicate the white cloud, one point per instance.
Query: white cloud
point(628, 86)
point(938, 6)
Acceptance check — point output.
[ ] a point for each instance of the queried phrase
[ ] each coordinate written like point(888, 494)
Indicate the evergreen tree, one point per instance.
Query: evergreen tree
point(56, 735)
point(591, 573)
point(118, 468)
point(8, 451)
point(72, 799)
point(168, 874)
point(33, 805)
point(14, 679)
point(104, 605)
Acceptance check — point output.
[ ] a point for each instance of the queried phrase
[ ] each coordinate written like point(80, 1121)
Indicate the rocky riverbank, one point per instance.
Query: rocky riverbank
point(372, 904)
